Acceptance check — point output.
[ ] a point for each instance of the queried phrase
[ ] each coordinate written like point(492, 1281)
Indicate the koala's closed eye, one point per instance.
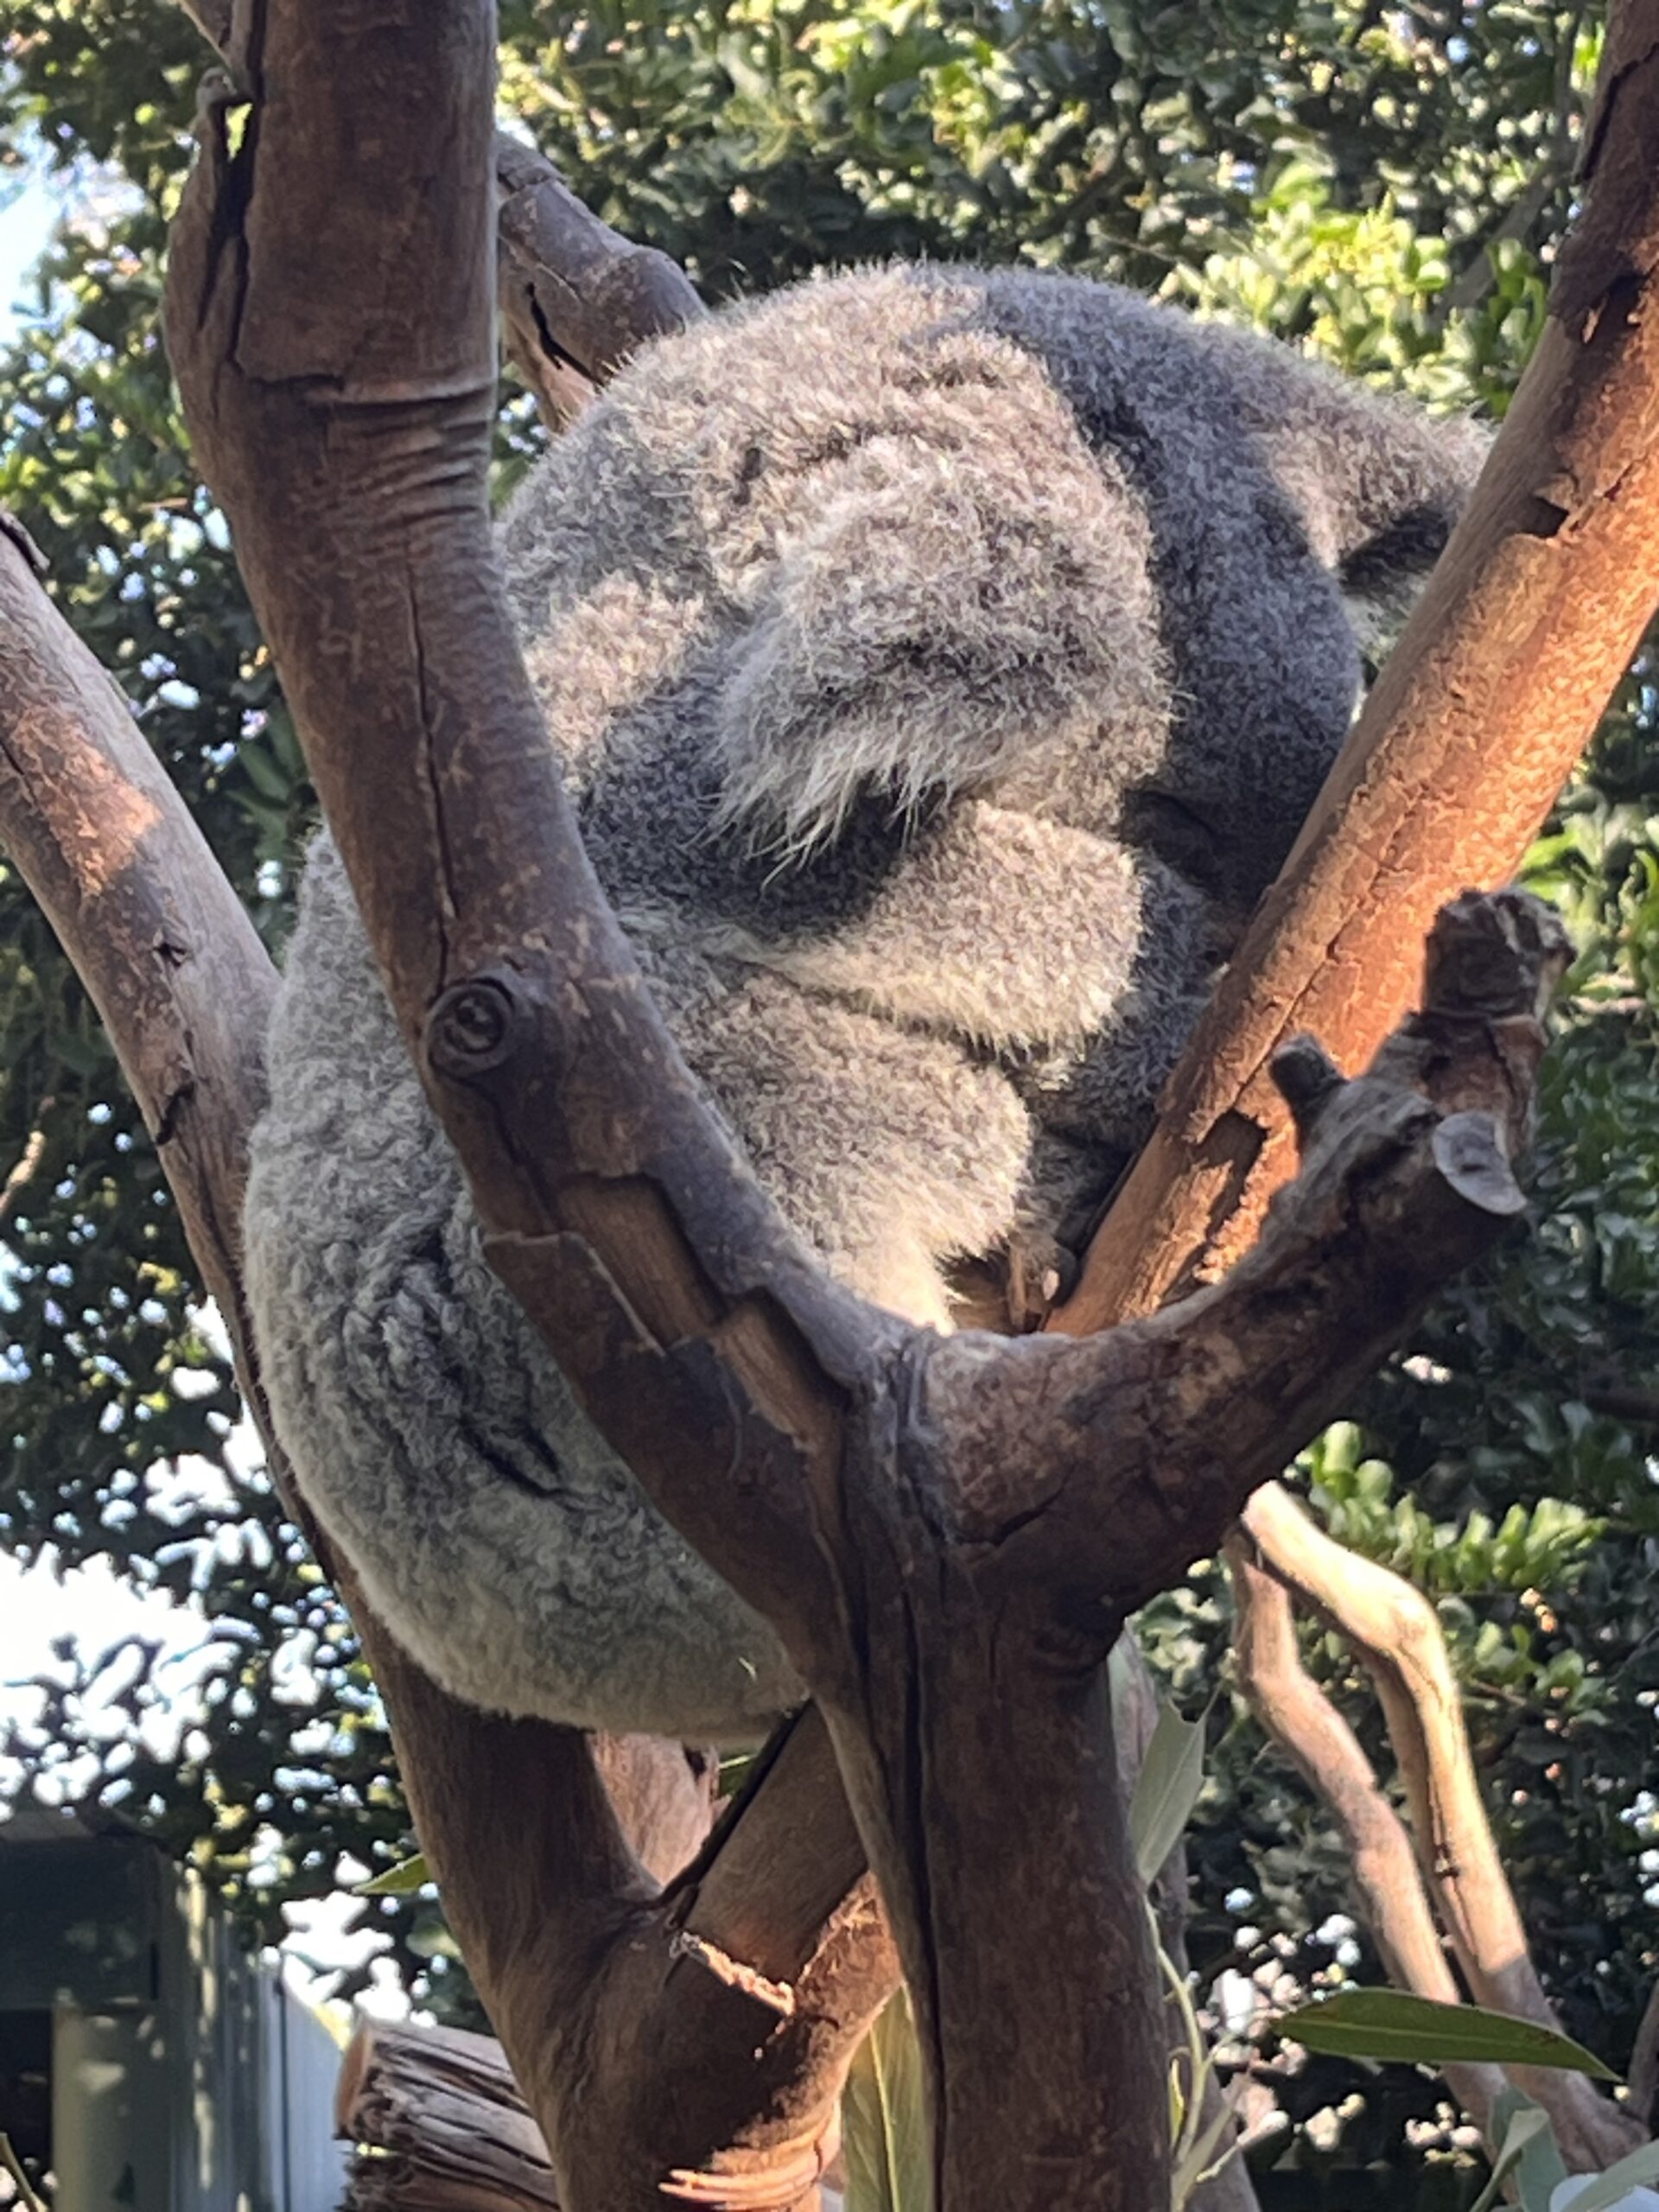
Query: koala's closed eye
point(1176, 831)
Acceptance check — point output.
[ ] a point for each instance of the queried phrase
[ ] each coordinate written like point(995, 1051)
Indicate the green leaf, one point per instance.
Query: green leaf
point(1540, 2170)
point(1524, 2127)
point(1385, 2024)
point(1166, 1789)
point(1607, 2190)
point(884, 2137)
point(399, 1881)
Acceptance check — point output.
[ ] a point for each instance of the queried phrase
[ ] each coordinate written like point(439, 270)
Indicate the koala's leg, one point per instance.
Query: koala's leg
point(891, 1153)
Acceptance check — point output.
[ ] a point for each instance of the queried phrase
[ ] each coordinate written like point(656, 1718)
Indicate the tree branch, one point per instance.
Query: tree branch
point(576, 299)
point(1478, 717)
point(1393, 1628)
point(925, 1523)
point(445, 2106)
point(1308, 1728)
point(517, 1816)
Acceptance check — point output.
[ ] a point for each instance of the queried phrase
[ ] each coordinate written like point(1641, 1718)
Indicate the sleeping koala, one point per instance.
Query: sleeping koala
point(942, 662)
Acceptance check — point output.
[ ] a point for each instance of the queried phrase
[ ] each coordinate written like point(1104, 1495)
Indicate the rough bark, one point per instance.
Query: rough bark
point(1412, 1142)
point(1480, 714)
point(445, 2107)
point(945, 1534)
point(576, 298)
point(1478, 717)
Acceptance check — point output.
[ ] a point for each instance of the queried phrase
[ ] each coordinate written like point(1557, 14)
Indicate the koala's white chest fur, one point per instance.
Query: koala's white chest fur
point(941, 663)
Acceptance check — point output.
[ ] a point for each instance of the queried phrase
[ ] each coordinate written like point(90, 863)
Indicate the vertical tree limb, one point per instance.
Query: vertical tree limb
point(1477, 720)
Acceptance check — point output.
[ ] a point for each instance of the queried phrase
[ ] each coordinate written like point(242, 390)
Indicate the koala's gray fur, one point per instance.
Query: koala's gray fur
point(942, 662)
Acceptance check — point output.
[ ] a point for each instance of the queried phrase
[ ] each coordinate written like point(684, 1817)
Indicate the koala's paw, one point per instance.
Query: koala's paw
point(1039, 1273)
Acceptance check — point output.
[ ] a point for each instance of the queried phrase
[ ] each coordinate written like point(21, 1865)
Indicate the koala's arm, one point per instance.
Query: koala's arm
point(1379, 482)
point(1016, 934)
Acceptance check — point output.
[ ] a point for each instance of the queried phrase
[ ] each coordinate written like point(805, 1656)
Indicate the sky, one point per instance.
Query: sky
point(25, 224)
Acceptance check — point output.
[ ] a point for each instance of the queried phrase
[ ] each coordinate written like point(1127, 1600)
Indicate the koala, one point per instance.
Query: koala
point(941, 663)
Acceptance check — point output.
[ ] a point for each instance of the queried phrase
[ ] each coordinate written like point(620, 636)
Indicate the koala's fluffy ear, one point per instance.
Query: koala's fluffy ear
point(927, 629)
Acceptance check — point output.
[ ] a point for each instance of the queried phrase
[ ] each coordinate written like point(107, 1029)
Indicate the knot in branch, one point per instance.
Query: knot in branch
point(474, 1027)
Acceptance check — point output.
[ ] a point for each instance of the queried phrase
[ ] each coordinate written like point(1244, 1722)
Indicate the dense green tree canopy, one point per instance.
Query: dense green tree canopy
point(1385, 184)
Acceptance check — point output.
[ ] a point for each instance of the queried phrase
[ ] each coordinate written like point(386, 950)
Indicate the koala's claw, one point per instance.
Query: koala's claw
point(1042, 1273)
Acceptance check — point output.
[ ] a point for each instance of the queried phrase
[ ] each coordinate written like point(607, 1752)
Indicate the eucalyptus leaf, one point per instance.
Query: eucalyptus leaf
point(401, 1880)
point(1523, 2130)
point(1166, 1789)
point(1609, 2190)
point(884, 2137)
point(1541, 2170)
point(1385, 2024)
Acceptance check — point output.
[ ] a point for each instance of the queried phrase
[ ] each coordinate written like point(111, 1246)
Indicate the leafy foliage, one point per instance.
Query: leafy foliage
point(1383, 184)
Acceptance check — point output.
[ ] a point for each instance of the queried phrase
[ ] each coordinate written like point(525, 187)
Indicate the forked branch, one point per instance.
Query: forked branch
point(1392, 1629)
point(945, 1534)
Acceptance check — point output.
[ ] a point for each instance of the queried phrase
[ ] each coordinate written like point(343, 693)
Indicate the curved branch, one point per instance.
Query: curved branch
point(1307, 1727)
point(1393, 1628)
point(543, 1891)
point(705, 1344)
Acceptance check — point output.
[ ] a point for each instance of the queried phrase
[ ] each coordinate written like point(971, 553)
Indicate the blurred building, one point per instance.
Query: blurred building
point(147, 2060)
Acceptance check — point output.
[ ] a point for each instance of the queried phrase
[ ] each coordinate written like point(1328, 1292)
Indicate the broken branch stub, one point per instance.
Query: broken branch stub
point(1155, 1433)
point(576, 299)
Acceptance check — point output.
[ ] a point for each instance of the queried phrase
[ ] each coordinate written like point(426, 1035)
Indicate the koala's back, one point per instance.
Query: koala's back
point(938, 663)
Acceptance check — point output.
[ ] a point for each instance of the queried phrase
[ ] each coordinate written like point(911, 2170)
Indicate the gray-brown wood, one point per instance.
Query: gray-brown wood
point(576, 299)
point(446, 2107)
point(535, 1828)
